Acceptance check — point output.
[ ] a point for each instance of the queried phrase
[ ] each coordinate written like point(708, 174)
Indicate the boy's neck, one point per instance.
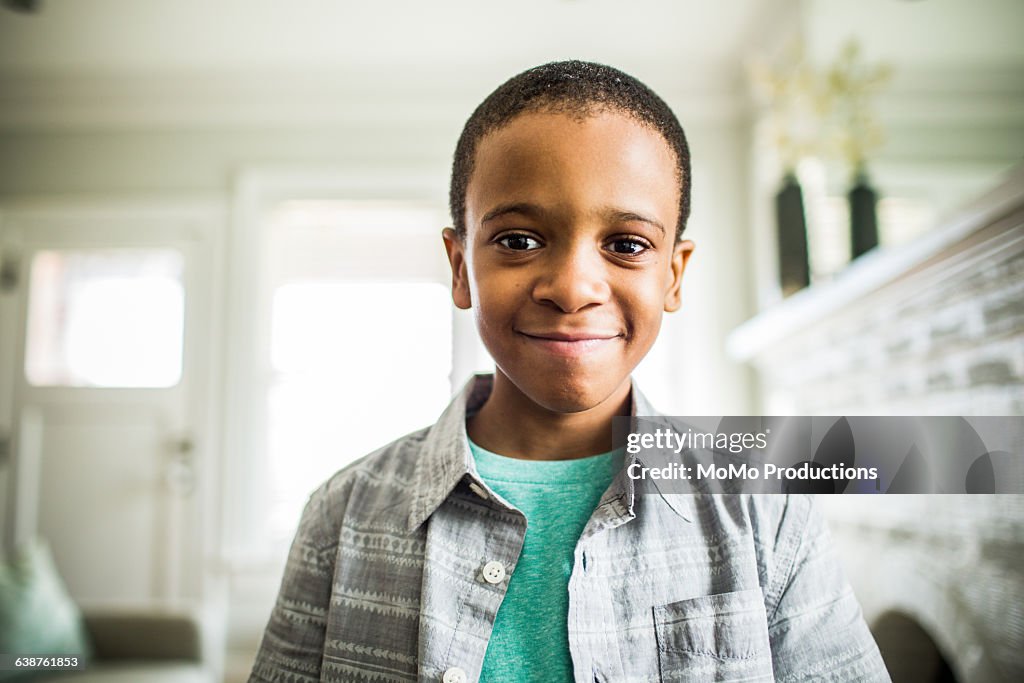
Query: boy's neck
point(511, 424)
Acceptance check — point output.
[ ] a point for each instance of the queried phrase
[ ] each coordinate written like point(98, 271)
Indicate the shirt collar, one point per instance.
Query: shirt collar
point(445, 459)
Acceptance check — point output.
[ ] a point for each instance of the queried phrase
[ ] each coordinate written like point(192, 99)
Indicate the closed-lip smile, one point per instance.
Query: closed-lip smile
point(570, 343)
point(571, 336)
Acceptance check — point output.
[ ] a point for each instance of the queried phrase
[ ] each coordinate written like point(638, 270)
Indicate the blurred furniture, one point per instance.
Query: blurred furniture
point(141, 647)
point(120, 644)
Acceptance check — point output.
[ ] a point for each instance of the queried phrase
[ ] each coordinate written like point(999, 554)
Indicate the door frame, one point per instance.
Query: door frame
point(205, 220)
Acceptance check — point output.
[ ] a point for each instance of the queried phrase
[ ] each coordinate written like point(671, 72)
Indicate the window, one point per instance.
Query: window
point(355, 365)
point(105, 318)
point(360, 340)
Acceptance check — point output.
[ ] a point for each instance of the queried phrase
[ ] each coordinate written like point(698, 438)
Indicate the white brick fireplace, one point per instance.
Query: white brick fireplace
point(935, 327)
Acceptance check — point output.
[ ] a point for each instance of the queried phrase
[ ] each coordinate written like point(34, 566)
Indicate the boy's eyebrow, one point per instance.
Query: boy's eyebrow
point(525, 208)
point(632, 216)
point(535, 211)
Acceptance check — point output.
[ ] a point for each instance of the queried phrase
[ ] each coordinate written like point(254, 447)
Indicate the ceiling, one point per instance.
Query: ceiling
point(692, 48)
point(427, 38)
point(446, 34)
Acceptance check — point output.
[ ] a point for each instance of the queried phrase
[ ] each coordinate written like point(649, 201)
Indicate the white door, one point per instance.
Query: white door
point(103, 353)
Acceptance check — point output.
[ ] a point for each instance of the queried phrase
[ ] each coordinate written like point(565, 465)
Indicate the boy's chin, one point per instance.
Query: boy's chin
point(573, 396)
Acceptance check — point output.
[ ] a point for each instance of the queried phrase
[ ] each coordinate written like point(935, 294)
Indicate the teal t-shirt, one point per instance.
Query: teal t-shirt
point(530, 639)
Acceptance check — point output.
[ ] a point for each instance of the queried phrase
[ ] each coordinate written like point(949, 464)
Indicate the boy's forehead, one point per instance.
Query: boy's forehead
point(554, 159)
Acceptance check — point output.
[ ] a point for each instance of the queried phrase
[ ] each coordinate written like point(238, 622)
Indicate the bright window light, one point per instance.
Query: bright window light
point(105, 318)
point(355, 365)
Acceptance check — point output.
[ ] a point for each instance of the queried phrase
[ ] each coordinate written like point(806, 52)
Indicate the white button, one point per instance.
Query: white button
point(478, 490)
point(454, 675)
point(494, 572)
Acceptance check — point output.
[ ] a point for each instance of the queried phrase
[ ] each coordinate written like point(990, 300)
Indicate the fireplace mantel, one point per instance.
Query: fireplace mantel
point(877, 270)
point(933, 327)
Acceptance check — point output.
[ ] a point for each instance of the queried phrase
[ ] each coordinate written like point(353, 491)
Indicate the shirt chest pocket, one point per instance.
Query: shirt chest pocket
point(721, 637)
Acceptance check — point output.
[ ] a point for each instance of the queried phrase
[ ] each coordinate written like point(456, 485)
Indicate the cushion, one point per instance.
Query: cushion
point(37, 615)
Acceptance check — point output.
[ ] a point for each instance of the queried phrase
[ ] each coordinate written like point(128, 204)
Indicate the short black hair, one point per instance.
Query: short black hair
point(571, 87)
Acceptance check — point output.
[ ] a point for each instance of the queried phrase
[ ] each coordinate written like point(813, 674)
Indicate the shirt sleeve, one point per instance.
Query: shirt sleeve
point(815, 624)
point(291, 650)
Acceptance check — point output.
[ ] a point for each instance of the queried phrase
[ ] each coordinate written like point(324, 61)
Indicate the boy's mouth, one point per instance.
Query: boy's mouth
point(571, 344)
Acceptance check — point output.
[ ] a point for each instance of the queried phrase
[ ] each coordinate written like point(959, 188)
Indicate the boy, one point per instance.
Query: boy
point(506, 543)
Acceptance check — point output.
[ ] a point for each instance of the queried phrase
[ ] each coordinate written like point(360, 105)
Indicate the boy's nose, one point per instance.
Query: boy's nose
point(573, 280)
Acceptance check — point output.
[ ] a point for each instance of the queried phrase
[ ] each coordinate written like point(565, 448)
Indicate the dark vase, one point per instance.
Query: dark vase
point(863, 217)
point(794, 269)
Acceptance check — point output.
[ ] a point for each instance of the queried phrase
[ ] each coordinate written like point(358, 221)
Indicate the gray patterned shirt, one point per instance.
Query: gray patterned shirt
point(401, 560)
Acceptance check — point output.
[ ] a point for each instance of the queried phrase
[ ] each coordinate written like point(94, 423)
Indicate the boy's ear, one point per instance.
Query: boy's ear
point(456, 249)
point(680, 257)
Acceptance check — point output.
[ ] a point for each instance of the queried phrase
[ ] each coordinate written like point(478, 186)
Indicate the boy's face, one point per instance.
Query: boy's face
point(570, 255)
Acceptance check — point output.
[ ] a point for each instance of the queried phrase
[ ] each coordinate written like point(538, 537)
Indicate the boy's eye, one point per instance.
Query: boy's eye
point(518, 242)
point(628, 247)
